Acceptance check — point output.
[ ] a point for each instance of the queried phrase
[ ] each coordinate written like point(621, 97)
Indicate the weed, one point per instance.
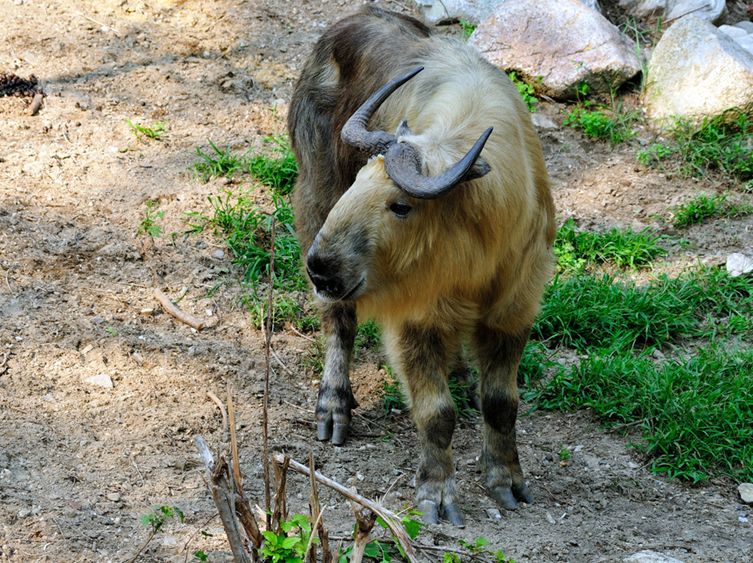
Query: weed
point(703, 207)
point(154, 131)
point(527, 91)
point(150, 222)
point(719, 143)
point(217, 162)
point(313, 359)
point(694, 412)
point(477, 549)
point(392, 393)
point(200, 555)
point(467, 27)
point(565, 454)
point(369, 336)
point(602, 123)
point(577, 249)
point(155, 520)
point(463, 393)
point(285, 309)
point(291, 543)
point(654, 154)
point(278, 173)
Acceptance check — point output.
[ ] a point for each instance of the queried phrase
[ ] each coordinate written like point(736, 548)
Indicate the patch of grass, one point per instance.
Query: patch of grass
point(149, 224)
point(280, 172)
point(467, 27)
point(527, 91)
point(217, 162)
point(392, 393)
point(719, 143)
point(154, 131)
point(654, 154)
point(285, 309)
point(291, 543)
point(623, 248)
point(703, 207)
point(601, 123)
point(369, 336)
point(588, 312)
point(247, 231)
point(694, 412)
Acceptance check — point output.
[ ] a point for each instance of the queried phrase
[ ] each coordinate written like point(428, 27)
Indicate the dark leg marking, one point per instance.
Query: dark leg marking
point(336, 400)
point(499, 355)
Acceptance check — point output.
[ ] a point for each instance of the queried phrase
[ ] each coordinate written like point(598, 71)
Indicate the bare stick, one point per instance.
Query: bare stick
point(224, 498)
point(316, 514)
point(392, 520)
point(36, 103)
point(234, 443)
point(268, 350)
point(173, 310)
point(280, 512)
point(365, 519)
point(223, 411)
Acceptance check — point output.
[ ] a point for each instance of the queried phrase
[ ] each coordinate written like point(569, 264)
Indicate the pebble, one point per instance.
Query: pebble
point(100, 380)
point(739, 264)
point(218, 254)
point(494, 513)
point(746, 492)
point(114, 497)
point(648, 556)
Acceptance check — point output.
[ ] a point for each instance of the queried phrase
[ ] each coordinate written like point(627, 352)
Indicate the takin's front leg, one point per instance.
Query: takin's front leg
point(499, 354)
point(333, 408)
point(422, 356)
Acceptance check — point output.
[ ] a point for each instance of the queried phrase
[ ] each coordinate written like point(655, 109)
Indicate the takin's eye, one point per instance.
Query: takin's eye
point(400, 210)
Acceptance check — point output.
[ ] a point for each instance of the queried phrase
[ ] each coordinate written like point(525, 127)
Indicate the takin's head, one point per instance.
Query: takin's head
point(382, 227)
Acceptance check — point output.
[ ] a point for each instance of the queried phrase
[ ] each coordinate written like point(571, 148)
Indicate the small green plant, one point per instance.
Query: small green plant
point(477, 549)
point(291, 543)
point(368, 336)
point(150, 222)
point(155, 519)
point(623, 248)
point(654, 154)
point(278, 173)
point(200, 555)
point(565, 455)
point(154, 131)
point(383, 549)
point(217, 162)
point(615, 126)
point(527, 91)
point(703, 207)
point(467, 27)
point(392, 393)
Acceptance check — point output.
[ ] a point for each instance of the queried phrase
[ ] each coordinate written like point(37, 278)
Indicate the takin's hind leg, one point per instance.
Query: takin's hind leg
point(336, 400)
point(499, 354)
point(422, 356)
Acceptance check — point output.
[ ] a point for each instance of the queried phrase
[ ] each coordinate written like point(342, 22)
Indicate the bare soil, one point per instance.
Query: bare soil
point(80, 463)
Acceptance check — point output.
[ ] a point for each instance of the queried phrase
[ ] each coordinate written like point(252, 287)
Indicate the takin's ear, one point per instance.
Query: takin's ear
point(480, 168)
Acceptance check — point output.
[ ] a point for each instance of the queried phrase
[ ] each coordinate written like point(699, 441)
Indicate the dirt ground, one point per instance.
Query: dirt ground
point(80, 463)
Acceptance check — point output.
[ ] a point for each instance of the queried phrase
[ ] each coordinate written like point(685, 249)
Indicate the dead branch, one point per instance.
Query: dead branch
point(316, 514)
point(36, 103)
point(234, 443)
point(268, 326)
point(216, 400)
point(173, 310)
point(224, 497)
point(365, 519)
point(280, 512)
point(392, 520)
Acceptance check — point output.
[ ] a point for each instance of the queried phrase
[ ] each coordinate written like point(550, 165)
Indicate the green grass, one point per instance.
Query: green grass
point(150, 222)
point(601, 123)
point(703, 207)
point(693, 411)
point(467, 27)
point(527, 91)
point(278, 171)
point(154, 131)
point(578, 250)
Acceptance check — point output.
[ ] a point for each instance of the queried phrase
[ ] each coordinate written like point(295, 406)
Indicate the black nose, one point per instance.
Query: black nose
point(323, 271)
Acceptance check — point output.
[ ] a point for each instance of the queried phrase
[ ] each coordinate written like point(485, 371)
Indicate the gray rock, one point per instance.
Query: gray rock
point(443, 11)
point(746, 492)
point(558, 44)
point(746, 43)
point(100, 380)
point(739, 264)
point(697, 71)
point(648, 556)
point(670, 10)
point(746, 25)
point(733, 31)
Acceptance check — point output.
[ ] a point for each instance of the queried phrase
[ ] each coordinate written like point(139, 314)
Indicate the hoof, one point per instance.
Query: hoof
point(339, 434)
point(508, 498)
point(324, 430)
point(451, 513)
point(429, 511)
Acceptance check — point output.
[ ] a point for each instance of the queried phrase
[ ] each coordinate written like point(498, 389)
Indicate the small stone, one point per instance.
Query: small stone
point(739, 264)
point(114, 497)
point(550, 518)
point(494, 514)
point(648, 556)
point(101, 380)
point(746, 492)
point(147, 311)
point(218, 254)
point(24, 513)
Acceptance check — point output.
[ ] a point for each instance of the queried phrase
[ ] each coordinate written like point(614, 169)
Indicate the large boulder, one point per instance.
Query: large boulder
point(474, 11)
point(697, 71)
point(670, 10)
point(557, 45)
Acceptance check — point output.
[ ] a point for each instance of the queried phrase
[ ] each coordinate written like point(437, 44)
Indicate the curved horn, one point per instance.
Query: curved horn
point(403, 166)
point(354, 131)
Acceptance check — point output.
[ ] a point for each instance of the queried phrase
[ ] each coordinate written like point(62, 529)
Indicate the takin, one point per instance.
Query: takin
point(423, 202)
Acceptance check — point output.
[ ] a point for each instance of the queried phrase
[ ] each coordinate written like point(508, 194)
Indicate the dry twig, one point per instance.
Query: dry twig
point(316, 514)
point(268, 350)
point(216, 400)
point(173, 310)
point(36, 103)
point(392, 520)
